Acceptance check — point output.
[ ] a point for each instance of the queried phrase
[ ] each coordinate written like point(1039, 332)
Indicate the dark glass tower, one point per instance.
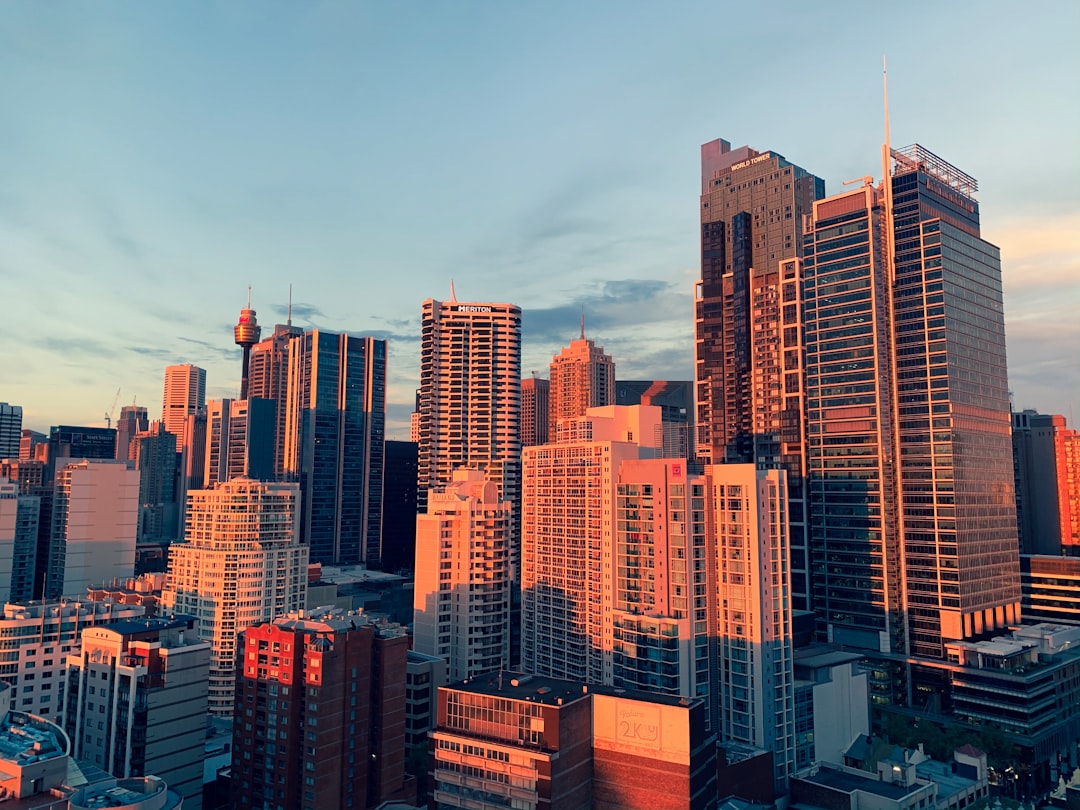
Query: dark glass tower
point(334, 434)
point(748, 370)
point(913, 523)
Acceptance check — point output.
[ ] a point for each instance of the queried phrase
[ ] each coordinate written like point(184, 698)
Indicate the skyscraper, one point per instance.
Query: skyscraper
point(1044, 503)
point(268, 378)
point(10, 430)
point(154, 453)
point(462, 592)
point(567, 586)
point(239, 440)
point(748, 371)
point(94, 526)
point(19, 516)
point(240, 563)
point(335, 428)
point(399, 507)
point(246, 334)
point(133, 420)
point(913, 522)
point(470, 397)
point(581, 377)
point(185, 393)
point(535, 407)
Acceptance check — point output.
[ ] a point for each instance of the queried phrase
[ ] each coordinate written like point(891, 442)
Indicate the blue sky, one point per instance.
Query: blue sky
point(157, 158)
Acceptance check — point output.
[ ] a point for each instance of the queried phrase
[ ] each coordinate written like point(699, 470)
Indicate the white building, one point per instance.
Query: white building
point(240, 564)
point(95, 524)
point(36, 637)
point(462, 589)
point(470, 397)
point(185, 393)
point(136, 702)
point(568, 503)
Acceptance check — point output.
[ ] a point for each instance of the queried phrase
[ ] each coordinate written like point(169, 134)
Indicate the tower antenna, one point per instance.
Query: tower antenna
point(288, 315)
point(453, 295)
point(582, 321)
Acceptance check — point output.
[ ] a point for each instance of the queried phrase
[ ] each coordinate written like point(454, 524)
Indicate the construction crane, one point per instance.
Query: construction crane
point(109, 413)
point(866, 180)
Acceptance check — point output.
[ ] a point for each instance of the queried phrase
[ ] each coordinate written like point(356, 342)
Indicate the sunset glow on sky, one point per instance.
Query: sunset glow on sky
point(161, 157)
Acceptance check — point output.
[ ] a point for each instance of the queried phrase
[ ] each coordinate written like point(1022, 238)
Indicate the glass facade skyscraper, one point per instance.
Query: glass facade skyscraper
point(912, 519)
point(335, 428)
point(748, 372)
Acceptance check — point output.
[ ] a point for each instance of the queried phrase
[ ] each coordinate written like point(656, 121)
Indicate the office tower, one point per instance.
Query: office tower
point(1044, 505)
point(132, 421)
point(535, 404)
point(135, 701)
point(581, 377)
point(748, 370)
point(335, 427)
point(79, 441)
point(154, 454)
point(1050, 588)
point(239, 440)
point(675, 398)
point(191, 449)
point(185, 393)
point(47, 632)
point(94, 525)
point(10, 430)
point(399, 507)
point(268, 378)
point(320, 714)
point(470, 396)
point(913, 521)
point(1070, 544)
point(240, 563)
point(19, 516)
point(567, 587)
point(462, 590)
point(246, 334)
point(28, 441)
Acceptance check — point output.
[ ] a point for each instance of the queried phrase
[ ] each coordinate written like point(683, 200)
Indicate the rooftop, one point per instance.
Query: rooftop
point(25, 739)
point(850, 782)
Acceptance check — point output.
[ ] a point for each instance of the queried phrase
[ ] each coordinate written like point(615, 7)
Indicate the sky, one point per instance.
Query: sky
point(156, 159)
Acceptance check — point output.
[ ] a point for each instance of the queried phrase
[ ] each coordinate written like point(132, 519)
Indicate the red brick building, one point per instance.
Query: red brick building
point(320, 714)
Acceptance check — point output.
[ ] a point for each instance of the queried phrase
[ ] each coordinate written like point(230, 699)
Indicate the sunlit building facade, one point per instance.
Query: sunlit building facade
point(185, 394)
point(749, 378)
point(462, 587)
point(535, 396)
point(582, 376)
point(913, 522)
point(240, 563)
point(470, 397)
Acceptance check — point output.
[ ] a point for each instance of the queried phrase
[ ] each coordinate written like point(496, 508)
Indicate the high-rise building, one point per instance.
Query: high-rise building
point(185, 393)
point(19, 516)
point(154, 454)
point(10, 430)
point(47, 632)
point(462, 589)
point(28, 441)
point(94, 521)
point(135, 701)
point(399, 507)
point(748, 371)
point(913, 520)
point(1044, 503)
point(239, 440)
point(581, 377)
point(535, 405)
point(470, 396)
point(335, 428)
point(567, 585)
point(79, 441)
point(675, 399)
point(268, 378)
point(132, 421)
point(320, 714)
point(240, 563)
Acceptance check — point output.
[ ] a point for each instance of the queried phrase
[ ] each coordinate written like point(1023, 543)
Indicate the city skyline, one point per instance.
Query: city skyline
point(161, 160)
